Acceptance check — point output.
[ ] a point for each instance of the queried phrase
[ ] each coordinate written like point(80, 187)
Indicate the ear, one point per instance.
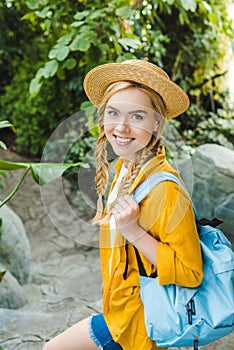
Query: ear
point(156, 126)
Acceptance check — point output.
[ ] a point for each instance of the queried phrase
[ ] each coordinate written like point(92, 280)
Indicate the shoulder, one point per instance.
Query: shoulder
point(164, 203)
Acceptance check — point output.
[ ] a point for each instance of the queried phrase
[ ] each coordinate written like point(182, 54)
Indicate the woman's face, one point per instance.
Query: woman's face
point(129, 120)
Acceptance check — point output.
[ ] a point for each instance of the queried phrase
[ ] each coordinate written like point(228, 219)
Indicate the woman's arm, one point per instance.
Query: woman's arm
point(166, 235)
point(167, 214)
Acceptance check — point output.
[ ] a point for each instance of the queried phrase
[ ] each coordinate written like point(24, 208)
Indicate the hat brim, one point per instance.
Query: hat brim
point(99, 78)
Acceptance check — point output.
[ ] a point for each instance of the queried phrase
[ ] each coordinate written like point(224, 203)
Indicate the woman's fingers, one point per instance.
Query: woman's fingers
point(124, 202)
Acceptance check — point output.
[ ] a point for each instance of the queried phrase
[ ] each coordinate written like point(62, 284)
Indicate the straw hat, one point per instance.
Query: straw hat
point(141, 72)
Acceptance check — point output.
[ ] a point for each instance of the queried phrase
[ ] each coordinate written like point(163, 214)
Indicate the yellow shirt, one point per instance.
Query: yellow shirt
point(166, 213)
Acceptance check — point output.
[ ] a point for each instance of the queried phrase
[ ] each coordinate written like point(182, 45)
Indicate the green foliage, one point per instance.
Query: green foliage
point(5, 124)
point(2, 273)
point(2, 268)
point(52, 47)
point(95, 35)
point(42, 173)
point(35, 118)
point(213, 128)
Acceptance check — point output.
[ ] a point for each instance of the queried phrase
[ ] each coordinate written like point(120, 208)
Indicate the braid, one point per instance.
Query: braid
point(101, 178)
point(140, 158)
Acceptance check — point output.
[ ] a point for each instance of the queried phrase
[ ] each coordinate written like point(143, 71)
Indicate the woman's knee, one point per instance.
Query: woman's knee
point(56, 343)
point(48, 346)
point(76, 337)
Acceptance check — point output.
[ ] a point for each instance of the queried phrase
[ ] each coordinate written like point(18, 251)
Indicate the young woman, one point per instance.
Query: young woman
point(134, 100)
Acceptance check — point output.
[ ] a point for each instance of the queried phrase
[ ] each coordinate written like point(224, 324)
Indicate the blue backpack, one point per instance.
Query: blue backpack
point(177, 316)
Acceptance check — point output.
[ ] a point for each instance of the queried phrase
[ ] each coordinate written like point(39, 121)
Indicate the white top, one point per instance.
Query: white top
point(111, 198)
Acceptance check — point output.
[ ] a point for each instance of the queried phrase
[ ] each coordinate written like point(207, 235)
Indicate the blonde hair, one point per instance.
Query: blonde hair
point(140, 157)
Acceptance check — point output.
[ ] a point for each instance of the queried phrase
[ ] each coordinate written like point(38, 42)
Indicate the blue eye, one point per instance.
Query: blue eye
point(112, 113)
point(137, 116)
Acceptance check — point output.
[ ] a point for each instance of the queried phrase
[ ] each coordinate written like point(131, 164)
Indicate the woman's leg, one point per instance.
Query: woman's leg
point(76, 337)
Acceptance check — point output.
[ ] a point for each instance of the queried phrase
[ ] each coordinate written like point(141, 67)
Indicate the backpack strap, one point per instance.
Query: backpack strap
point(147, 185)
point(140, 263)
point(214, 222)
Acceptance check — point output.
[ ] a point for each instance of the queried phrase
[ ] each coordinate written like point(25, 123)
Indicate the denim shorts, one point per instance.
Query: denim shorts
point(100, 334)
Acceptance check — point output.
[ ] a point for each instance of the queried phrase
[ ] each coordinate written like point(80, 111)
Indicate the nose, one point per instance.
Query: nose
point(123, 126)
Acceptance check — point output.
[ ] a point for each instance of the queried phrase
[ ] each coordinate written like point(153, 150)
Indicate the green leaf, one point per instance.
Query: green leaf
point(70, 63)
point(87, 104)
point(59, 52)
point(80, 15)
point(47, 24)
point(32, 4)
point(95, 16)
point(42, 173)
point(53, 53)
point(124, 11)
point(206, 6)
point(65, 39)
point(43, 13)
point(62, 53)
point(183, 18)
point(6, 124)
point(34, 87)
point(126, 56)
point(214, 17)
point(30, 16)
point(77, 24)
point(129, 42)
point(40, 73)
point(50, 69)
point(2, 273)
point(80, 43)
point(3, 145)
point(189, 5)
point(11, 166)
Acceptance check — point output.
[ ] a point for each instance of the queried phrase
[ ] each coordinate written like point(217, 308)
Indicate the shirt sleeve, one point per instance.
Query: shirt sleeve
point(167, 215)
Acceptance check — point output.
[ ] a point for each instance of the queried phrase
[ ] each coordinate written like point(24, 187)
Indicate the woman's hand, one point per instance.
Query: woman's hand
point(126, 213)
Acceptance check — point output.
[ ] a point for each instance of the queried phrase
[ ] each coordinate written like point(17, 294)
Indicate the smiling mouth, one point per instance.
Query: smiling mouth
point(123, 140)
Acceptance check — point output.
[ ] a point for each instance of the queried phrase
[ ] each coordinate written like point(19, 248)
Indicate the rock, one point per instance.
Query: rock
point(12, 294)
point(225, 210)
point(14, 245)
point(209, 177)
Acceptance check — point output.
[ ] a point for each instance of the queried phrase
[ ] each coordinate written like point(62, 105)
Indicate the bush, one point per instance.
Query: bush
point(61, 43)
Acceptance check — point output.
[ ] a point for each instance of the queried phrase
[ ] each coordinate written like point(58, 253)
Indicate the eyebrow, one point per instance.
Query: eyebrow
point(131, 112)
